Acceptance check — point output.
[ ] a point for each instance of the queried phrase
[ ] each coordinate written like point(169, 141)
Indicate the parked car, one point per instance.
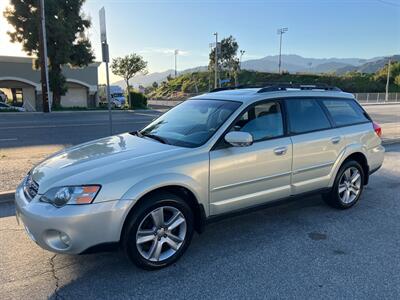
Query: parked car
point(5, 106)
point(212, 155)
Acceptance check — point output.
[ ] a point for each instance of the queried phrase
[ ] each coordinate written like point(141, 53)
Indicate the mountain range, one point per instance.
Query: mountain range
point(291, 63)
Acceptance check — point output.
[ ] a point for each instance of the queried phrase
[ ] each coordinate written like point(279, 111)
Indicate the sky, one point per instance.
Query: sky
point(316, 28)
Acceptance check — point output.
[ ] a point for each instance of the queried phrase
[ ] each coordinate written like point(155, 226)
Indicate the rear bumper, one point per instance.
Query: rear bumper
point(375, 157)
point(82, 226)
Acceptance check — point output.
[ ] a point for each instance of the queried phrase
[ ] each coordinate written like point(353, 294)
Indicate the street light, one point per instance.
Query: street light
point(240, 62)
point(216, 61)
point(176, 52)
point(44, 70)
point(281, 31)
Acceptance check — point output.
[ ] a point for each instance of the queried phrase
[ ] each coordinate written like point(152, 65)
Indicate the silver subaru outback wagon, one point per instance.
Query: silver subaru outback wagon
point(214, 154)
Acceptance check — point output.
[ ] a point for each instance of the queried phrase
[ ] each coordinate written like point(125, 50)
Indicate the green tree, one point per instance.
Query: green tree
point(381, 75)
point(155, 85)
point(127, 67)
point(227, 58)
point(67, 42)
point(397, 80)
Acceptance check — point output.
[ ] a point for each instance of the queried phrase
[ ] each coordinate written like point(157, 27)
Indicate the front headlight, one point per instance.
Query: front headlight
point(61, 196)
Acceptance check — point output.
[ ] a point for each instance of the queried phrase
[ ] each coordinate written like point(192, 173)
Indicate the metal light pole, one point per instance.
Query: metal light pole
point(106, 59)
point(216, 61)
point(240, 61)
point(387, 82)
point(43, 60)
point(281, 31)
point(176, 52)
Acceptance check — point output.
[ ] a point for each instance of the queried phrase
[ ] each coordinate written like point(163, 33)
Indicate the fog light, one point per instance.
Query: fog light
point(65, 238)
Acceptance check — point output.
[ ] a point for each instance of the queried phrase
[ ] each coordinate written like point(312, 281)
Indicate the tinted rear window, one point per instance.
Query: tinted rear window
point(306, 115)
point(345, 112)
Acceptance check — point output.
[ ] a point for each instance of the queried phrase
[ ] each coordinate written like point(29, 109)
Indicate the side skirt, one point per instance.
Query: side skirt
point(274, 203)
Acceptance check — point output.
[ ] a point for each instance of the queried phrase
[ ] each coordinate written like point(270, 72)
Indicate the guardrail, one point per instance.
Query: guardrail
point(377, 97)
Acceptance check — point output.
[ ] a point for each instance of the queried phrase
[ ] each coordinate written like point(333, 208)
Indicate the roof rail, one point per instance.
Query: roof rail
point(238, 87)
point(284, 87)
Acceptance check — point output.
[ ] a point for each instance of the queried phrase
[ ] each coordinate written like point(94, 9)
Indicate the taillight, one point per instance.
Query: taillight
point(378, 129)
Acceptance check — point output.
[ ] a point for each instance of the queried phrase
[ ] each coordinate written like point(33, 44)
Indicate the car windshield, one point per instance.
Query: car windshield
point(191, 123)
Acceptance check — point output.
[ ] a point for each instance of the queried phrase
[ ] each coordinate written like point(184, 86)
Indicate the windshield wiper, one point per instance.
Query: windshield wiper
point(154, 137)
point(137, 133)
point(149, 135)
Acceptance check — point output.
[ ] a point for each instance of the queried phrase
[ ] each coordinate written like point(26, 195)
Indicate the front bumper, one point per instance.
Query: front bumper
point(82, 226)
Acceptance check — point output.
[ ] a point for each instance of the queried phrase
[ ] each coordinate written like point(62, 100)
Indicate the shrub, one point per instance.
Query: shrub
point(138, 100)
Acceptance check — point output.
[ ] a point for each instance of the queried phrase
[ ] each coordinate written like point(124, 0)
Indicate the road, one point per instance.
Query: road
point(66, 128)
point(303, 250)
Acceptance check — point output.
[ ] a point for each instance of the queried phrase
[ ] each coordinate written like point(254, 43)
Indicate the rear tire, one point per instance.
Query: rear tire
point(158, 232)
point(348, 186)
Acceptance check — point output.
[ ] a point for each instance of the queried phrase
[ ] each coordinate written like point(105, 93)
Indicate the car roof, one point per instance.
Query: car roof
point(249, 95)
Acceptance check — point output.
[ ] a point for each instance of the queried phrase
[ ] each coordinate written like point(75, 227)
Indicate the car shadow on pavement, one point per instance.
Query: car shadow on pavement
point(223, 248)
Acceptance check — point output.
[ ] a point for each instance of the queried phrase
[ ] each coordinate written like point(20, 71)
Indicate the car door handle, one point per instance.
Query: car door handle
point(280, 150)
point(335, 139)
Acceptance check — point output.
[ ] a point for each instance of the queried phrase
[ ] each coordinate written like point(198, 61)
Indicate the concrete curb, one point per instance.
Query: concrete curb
point(387, 103)
point(7, 196)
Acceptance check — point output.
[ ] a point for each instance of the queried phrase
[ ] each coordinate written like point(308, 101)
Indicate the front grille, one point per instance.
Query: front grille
point(31, 187)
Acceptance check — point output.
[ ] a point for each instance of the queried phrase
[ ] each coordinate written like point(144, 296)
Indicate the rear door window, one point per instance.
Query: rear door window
point(306, 115)
point(345, 112)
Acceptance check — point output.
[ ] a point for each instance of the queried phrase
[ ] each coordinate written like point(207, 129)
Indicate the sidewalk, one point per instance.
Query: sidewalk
point(390, 133)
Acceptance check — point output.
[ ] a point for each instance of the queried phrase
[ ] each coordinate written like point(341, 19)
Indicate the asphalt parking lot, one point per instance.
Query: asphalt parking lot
point(302, 250)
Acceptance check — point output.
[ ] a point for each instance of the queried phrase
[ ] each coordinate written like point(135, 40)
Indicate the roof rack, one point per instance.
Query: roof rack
point(235, 88)
point(285, 86)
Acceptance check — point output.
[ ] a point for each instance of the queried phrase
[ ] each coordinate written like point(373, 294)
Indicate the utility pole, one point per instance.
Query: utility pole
point(281, 31)
point(216, 61)
point(176, 52)
point(44, 71)
point(106, 59)
point(387, 82)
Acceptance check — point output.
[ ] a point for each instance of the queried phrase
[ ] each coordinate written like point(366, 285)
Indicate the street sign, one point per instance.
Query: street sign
point(103, 31)
point(104, 52)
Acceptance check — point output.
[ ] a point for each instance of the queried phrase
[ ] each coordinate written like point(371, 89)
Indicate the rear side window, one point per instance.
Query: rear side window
point(345, 112)
point(306, 115)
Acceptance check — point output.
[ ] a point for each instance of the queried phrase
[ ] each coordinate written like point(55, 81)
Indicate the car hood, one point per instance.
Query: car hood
point(100, 157)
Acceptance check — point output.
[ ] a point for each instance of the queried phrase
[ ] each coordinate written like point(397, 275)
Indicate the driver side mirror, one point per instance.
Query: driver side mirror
point(239, 138)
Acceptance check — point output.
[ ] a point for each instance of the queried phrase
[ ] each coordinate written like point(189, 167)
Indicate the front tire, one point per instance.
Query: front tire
point(348, 186)
point(158, 232)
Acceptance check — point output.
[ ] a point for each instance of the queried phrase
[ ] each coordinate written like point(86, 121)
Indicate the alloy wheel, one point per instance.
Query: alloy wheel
point(161, 233)
point(349, 185)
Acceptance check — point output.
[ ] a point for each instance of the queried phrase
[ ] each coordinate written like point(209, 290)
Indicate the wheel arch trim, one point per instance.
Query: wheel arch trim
point(163, 181)
point(350, 150)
